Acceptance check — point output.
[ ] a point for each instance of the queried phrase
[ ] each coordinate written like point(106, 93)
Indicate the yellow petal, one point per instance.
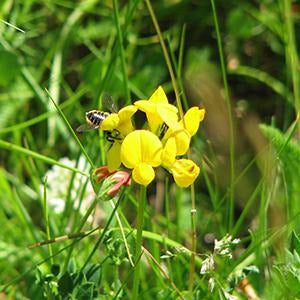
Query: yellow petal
point(185, 171)
point(183, 140)
point(151, 147)
point(141, 146)
point(168, 113)
point(110, 122)
point(145, 106)
point(143, 174)
point(127, 112)
point(158, 110)
point(181, 135)
point(159, 96)
point(154, 121)
point(131, 154)
point(125, 127)
point(113, 157)
point(192, 119)
point(169, 152)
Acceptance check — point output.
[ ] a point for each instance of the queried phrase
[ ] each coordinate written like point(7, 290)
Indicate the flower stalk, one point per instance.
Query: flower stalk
point(138, 244)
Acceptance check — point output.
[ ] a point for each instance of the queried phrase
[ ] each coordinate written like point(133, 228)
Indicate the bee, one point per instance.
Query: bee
point(94, 118)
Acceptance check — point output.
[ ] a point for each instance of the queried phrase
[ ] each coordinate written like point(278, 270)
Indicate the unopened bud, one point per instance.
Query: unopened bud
point(108, 188)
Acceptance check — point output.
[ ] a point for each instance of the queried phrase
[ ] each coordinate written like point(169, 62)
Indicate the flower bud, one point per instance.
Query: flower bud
point(101, 173)
point(185, 171)
point(119, 179)
point(112, 183)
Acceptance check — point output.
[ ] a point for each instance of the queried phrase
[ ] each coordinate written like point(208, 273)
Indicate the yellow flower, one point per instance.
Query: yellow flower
point(184, 171)
point(183, 131)
point(158, 110)
point(120, 121)
point(119, 125)
point(141, 151)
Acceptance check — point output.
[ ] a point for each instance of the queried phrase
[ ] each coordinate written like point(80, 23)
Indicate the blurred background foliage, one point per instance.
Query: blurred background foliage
point(71, 48)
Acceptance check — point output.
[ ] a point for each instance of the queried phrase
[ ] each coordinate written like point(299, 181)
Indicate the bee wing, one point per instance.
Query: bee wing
point(108, 103)
point(85, 127)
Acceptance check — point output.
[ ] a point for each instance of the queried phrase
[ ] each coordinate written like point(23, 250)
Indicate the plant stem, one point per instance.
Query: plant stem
point(46, 214)
point(138, 247)
point(194, 238)
point(167, 57)
point(231, 131)
point(292, 50)
point(121, 48)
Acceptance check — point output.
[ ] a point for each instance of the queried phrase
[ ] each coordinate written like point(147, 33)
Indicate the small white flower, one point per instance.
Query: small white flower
point(223, 247)
point(58, 184)
point(211, 284)
point(208, 265)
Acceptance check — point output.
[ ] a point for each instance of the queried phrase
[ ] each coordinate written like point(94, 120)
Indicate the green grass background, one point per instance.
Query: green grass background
point(236, 59)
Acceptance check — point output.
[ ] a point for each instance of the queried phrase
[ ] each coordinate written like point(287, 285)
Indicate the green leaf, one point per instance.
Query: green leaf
point(65, 284)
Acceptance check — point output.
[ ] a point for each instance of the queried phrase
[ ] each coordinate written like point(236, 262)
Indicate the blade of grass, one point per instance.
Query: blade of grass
point(71, 130)
point(231, 128)
point(121, 49)
point(178, 65)
point(46, 216)
point(267, 79)
point(12, 26)
point(123, 234)
point(146, 234)
point(138, 244)
point(45, 115)
point(46, 159)
point(167, 58)
point(163, 272)
point(291, 46)
point(56, 67)
point(104, 231)
point(127, 278)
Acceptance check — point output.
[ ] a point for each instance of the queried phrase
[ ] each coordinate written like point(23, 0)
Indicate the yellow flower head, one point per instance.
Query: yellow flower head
point(184, 171)
point(141, 151)
point(158, 110)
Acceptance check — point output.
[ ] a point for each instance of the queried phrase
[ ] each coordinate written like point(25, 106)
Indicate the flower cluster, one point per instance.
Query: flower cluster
point(166, 139)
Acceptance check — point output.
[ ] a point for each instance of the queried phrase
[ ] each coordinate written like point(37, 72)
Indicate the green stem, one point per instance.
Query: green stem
point(292, 50)
point(46, 214)
point(138, 247)
point(194, 238)
point(228, 102)
point(167, 57)
point(121, 47)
